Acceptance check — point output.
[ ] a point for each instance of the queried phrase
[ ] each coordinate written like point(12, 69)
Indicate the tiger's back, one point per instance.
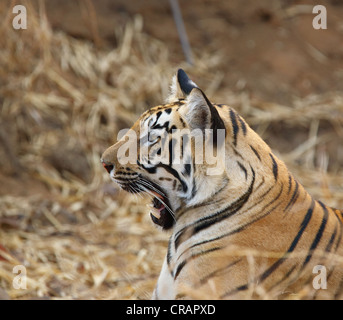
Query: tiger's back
point(242, 226)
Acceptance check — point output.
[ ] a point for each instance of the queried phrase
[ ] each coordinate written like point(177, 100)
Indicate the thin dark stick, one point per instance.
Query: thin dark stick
point(181, 30)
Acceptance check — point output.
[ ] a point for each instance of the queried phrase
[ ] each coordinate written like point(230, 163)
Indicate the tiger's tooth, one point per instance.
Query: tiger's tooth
point(155, 212)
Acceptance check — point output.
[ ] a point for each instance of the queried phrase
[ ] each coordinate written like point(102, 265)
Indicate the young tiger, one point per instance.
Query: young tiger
point(242, 226)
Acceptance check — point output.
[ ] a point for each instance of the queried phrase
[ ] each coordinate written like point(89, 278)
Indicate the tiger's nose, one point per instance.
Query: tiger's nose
point(108, 166)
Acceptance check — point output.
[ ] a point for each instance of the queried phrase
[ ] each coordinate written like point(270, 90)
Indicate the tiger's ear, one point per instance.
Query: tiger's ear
point(181, 86)
point(201, 114)
point(198, 114)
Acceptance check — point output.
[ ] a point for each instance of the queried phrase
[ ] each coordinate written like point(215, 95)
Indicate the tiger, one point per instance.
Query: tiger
point(241, 227)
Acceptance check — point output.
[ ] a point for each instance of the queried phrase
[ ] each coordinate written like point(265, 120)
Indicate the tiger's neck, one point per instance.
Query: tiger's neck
point(252, 172)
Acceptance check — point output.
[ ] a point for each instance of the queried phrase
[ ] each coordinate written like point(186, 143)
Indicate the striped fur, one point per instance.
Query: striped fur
point(251, 231)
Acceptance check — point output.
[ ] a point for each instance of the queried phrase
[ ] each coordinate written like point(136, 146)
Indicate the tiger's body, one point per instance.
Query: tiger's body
point(249, 231)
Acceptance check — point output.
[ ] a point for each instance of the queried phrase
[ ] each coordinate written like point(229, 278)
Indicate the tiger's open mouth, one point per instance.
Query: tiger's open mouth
point(160, 208)
point(160, 211)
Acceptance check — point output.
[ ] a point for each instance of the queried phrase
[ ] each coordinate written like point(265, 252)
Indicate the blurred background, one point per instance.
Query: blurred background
point(84, 69)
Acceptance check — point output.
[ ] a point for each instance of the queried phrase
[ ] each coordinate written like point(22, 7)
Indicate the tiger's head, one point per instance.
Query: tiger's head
point(173, 153)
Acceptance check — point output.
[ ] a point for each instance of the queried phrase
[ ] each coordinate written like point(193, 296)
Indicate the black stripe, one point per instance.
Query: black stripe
point(158, 114)
point(331, 241)
point(256, 153)
point(243, 169)
point(303, 226)
point(184, 142)
point(188, 169)
point(178, 239)
point(294, 196)
point(319, 233)
point(289, 183)
point(169, 255)
point(179, 268)
point(235, 127)
point(171, 146)
point(244, 127)
point(275, 167)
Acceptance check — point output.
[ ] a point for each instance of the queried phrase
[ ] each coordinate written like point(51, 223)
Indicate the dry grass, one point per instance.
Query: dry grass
point(62, 103)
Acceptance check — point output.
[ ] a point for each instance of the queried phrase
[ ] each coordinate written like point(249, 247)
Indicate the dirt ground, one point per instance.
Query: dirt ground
point(263, 57)
point(271, 49)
